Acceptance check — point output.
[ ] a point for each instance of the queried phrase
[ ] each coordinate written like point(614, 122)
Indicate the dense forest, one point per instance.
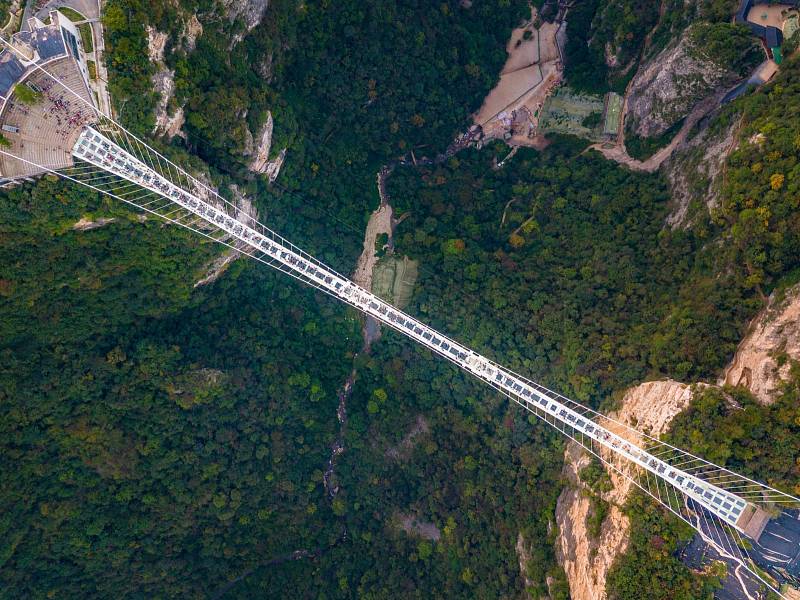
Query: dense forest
point(159, 439)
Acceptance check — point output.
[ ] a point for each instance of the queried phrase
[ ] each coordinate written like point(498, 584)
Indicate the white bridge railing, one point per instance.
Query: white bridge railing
point(100, 151)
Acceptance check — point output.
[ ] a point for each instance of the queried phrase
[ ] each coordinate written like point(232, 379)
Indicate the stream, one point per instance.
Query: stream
point(371, 330)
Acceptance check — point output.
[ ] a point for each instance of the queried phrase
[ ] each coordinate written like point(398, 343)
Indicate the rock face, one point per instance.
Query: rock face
point(416, 527)
point(163, 83)
point(587, 560)
point(156, 42)
point(665, 90)
point(419, 428)
point(218, 266)
point(167, 124)
point(701, 158)
point(85, 224)
point(261, 162)
point(523, 556)
point(192, 31)
point(651, 407)
point(775, 331)
point(250, 11)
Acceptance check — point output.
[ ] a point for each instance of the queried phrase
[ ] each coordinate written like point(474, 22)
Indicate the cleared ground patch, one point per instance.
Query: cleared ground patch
point(511, 88)
point(771, 16)
point(613, 113)
point(533, 69)
point(393, 279)
point(572, 113)
point(522, 48)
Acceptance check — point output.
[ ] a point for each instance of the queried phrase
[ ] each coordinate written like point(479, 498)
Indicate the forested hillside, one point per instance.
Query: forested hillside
point(154, 437)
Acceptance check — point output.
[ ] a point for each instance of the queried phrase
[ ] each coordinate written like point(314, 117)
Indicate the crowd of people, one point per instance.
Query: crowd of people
point(69, 113)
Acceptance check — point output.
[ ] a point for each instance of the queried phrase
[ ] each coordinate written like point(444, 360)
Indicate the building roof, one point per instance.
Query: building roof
point(11, 70)
point(774, 37)
point(744, 8)
point(790, 3)
point(41, 41)
point(756, 29)
point(47, 40)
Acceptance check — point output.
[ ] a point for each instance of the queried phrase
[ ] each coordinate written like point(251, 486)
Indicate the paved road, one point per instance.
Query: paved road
point(779, 544)
point(777, 552)
point(738, 584)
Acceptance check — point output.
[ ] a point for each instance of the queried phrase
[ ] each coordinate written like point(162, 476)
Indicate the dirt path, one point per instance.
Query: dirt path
point(619, 154)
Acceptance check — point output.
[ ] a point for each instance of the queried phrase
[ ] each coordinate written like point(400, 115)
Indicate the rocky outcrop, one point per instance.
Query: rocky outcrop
point(416, 527)
point(156, 42)
point(261, 162)
point(163, 83)
point(759, 365)
point(274, 166)
point(220, 264)
point(666, 89)
point(773, 334)
point(85, 224)
point(169, 122)
point(250, 11)
point(217, 267)
point(586, 560)
point(420, 427)
point(523, 556)
point(693, 171)
point(192, 30)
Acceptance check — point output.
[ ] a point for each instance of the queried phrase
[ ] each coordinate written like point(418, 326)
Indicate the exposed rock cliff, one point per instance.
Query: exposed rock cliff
point(652, 406)
point(261, 162)
point(250, 11)
point(665, 89)
point(164, 79)
point(693, 171)
point(166, 124)
point(774, 332)
point(586, 559)
point(219, 265)
point(85, 224)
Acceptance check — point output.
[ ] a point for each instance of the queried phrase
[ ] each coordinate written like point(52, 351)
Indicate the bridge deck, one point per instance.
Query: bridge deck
point(102, 152)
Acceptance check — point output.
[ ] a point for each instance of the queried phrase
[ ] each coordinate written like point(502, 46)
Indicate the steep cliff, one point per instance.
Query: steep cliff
point(666, 88)
point(758, 365)
point(773, 335)
point(250, 11)
point(586, 558)
point(169, 122)
point(693, 172)
point(261, 162)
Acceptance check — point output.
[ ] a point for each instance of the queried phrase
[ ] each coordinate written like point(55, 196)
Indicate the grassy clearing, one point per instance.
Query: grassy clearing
point(394, 278)
point(72, 14)
point(86, 37)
